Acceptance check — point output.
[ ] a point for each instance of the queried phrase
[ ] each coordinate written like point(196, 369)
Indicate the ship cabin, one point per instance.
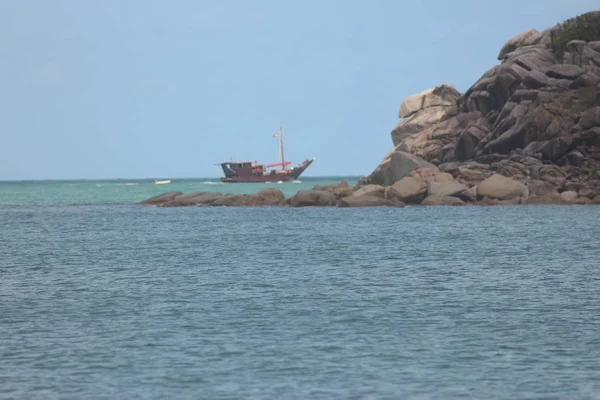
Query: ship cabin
point(242, 169)
point(246, 169)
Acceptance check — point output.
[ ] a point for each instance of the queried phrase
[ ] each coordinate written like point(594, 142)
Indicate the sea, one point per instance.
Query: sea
point(104, 298)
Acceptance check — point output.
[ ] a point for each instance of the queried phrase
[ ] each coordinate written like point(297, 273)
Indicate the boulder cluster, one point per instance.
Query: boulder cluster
point(533, 119)
point(426, 185)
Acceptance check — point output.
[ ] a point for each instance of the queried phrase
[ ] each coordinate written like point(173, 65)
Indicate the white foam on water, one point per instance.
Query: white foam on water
point(212, 183)
point(296, 181)
point(279, 181)
point(131, 184)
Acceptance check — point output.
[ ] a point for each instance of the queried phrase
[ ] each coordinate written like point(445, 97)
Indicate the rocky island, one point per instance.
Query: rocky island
point(527, 132)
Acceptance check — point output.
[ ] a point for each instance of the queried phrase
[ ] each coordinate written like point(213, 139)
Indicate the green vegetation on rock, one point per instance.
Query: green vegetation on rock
point(583, 27)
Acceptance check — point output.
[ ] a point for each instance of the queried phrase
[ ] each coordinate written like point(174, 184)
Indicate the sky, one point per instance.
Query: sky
point(166, 89)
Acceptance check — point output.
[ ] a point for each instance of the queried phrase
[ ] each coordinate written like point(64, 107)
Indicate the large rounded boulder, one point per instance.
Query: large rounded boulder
point(501, 188)
point(410, 189)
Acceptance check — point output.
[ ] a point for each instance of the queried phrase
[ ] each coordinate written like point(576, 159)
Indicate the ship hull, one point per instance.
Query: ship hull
point(287, 176)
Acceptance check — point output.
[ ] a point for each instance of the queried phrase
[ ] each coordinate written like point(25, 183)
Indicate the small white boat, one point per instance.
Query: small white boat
point(162, 182)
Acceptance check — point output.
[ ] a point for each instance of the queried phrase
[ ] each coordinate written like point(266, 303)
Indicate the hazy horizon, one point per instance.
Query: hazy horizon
point(215, 177)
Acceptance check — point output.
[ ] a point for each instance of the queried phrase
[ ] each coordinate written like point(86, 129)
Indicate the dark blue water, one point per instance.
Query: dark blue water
point(125, 301)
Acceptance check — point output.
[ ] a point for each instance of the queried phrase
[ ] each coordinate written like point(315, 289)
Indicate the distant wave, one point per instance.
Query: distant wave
point(212, 183)
point(296, 181)
point(99, 185)
point(131, 184)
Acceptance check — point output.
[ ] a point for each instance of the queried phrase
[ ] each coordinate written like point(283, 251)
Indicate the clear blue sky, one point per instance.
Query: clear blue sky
point(150, 89)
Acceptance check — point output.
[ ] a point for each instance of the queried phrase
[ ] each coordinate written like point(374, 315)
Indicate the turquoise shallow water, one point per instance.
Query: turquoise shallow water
point(117, 300)
point(135, 190)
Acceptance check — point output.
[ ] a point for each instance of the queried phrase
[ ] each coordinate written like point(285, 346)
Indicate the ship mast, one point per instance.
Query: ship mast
point(281, 148)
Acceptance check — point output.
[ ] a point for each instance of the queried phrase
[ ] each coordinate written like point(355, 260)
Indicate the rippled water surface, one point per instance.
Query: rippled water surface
point(126, 301)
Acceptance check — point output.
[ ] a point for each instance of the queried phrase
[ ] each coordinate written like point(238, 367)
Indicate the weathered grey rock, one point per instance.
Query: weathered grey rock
point(542, 188)
point(442, 95)
point(161, 198)
point(443, 189)
point(558, 85)
point(588, 79)
point(370, 190)
point(409, 190)
point(395, 165)
point(233, 200)
point(582, 201)
point(535, 79)
point(590, 118)
point(308, 198)
point(586, 191)
point(537, 123)
point(574, 158)
point(469, 195)
point(541, 199)
point(434, 200)
point(192, 199)
point(431, 174)
point(449, 167)
point(486, 201)
point(595, 45)
point(400, 165)
point(547, 34)
point(532, 58)
point(577, 52)
point(467, 142)
point(526, 38)
point(340, 189)
point(368, 201)
point(333, 187)
point(501, 188)
point(207, 198)
point(418, 122)
point(564, 71)
point(552, 150)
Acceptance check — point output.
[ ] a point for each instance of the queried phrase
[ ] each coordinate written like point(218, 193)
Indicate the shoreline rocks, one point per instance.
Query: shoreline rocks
point(426, 186)
point(535, 117)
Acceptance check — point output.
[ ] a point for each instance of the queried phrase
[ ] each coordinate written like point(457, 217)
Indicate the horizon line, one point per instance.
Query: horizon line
point(153, 178)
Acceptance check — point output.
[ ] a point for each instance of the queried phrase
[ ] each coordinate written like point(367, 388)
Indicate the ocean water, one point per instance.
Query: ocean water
point(136, 190)
point(102, 298)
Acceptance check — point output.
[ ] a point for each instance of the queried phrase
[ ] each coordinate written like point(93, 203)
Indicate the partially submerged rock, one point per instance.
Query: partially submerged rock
point(161, 198)
point(312, 198)
point(436, 200)
point(192, 199)
point(368, 201)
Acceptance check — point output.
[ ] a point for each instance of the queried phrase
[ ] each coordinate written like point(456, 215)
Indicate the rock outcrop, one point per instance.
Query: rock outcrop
point(535, 117)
